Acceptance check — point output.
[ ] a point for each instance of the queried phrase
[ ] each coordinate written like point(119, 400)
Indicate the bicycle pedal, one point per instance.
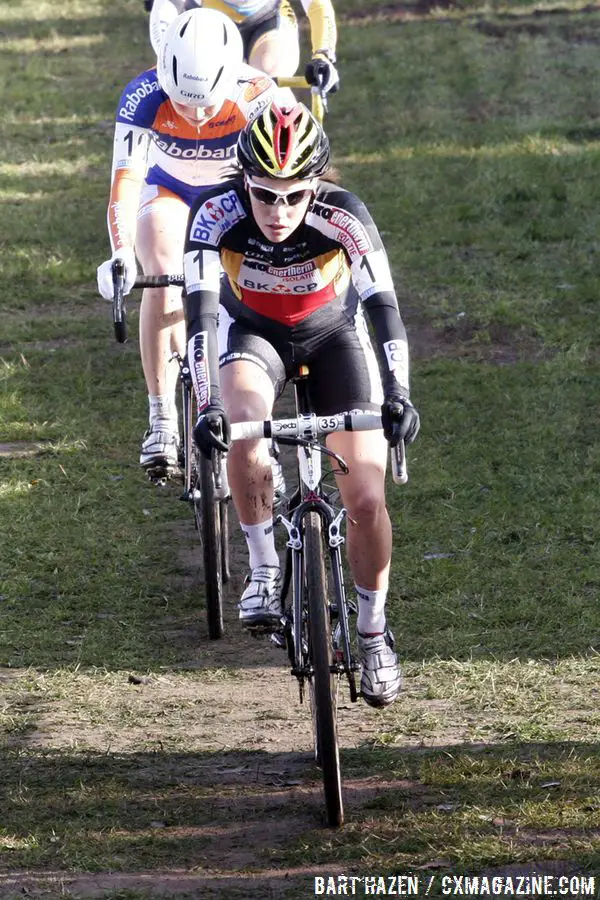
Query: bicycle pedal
point(157, 479)
point(278, 639)
point(259, 631)
point(159, 475)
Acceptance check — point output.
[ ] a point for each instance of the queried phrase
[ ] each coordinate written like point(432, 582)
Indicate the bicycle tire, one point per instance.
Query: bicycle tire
point(121, 333)
point(323, 686)
point(208, 519)
point(225, 567)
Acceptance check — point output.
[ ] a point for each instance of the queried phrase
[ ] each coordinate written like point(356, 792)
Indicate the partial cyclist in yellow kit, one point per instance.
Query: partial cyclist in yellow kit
point(269, 31)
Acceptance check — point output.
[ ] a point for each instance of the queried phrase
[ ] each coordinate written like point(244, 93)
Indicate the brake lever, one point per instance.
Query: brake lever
point(119, 309)
point(398, 458)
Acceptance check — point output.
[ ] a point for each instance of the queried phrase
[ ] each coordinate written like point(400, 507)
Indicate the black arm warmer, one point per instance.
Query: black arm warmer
point(386, 322)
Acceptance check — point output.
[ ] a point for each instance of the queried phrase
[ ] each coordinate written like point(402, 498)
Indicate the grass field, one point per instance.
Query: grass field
point(137, 759)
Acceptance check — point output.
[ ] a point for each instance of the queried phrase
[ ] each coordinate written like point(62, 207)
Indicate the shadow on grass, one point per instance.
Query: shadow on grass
point(247, 815)
point(109, 23)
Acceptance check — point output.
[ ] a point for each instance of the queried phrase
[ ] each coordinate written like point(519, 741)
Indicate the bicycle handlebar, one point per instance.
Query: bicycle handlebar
point(159, 281)
point(318, 95)
point(310, 427)
point(307, 427)
point(143, 281)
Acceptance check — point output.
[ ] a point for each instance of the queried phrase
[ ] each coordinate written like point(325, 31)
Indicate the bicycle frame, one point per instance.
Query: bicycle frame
point(311, 498)
point(303, 431)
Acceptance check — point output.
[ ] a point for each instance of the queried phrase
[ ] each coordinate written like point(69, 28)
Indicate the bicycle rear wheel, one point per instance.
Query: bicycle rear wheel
point(323, 688)
point(207, 510)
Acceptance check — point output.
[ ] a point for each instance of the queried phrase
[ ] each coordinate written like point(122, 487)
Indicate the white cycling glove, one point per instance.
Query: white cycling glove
point(105, 276)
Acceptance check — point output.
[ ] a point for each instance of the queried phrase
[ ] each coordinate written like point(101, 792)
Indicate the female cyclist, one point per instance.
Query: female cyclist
point(303, 260)
point(175, 134)
point(269, 31)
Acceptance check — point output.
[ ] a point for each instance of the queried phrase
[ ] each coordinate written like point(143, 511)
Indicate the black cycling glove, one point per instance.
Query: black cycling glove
point(212, 430)
point(400, 419)
point(322, 73)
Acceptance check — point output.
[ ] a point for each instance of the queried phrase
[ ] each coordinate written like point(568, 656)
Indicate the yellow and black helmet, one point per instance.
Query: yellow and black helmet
point(284, 143)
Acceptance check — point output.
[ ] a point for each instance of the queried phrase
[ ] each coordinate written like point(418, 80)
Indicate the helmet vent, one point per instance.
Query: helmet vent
point(218, 75)
point(284, 143)
point(224, 35)
point(184, 27)
point(175, 70)
point(304, 156)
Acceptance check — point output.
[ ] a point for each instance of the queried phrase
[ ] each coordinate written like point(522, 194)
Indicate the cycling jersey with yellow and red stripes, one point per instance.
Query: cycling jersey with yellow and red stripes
point(319, 279)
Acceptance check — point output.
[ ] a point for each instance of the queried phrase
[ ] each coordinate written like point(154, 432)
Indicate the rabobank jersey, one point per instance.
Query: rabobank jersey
point(152, 140)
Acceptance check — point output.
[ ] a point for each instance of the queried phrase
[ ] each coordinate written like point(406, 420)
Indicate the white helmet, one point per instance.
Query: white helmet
point(200, 56)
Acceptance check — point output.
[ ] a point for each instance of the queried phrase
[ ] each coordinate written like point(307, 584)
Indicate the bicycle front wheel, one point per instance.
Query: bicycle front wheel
point(224, 515)
point(323, 688)
point(208, 519)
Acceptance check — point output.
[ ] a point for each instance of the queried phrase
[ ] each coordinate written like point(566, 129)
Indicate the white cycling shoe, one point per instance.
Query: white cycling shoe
point(260, 604)
point(160, 450)
point(381, 677)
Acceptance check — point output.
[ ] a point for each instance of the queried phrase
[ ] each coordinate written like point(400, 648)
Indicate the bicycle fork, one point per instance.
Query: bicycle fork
point(343, 662)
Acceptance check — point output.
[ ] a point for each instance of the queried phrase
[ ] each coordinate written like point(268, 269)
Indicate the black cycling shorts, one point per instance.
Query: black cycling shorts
point(254, 29)
point(343, 371)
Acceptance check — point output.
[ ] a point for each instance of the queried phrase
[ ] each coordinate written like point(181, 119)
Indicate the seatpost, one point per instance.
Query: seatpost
point(301, 391)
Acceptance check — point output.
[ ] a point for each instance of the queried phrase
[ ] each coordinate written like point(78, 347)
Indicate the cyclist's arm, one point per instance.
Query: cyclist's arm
point(202, 270)
point(323, 31)
point(372, 278)
point(134, 119)
point(130, 149)
point(391, 343)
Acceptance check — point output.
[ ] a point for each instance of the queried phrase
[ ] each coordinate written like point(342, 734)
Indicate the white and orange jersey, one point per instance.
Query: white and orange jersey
point(152, 142)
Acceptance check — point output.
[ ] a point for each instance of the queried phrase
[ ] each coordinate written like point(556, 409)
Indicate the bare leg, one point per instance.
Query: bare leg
point(369, 532)
point(249, 395)
point(369, 553)
point(159, 248)
point(277, 52)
